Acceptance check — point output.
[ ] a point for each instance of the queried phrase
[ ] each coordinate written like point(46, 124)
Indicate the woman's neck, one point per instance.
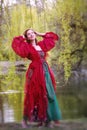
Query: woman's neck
point(33, 43)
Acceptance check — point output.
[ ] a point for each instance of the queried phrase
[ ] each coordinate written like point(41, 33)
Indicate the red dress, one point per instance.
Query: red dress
point(35, 85)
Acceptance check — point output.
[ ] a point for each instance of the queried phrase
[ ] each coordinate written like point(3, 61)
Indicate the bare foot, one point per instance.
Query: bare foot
point(24, 124)
point(56, 123)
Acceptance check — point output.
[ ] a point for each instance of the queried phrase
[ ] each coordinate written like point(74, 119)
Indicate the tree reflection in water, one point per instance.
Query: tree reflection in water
point(72, 102)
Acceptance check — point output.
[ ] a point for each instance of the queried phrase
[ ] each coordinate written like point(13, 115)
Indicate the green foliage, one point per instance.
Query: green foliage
point(65, 17)
point(16, 20)
point(12, 80)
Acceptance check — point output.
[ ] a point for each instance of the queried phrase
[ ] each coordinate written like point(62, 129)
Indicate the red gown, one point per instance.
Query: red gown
point(35, 85)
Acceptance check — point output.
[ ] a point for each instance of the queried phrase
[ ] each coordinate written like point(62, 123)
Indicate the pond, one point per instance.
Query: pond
point(72, 100)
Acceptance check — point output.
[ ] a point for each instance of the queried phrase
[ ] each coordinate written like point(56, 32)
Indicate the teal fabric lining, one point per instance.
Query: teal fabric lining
point(53, 111)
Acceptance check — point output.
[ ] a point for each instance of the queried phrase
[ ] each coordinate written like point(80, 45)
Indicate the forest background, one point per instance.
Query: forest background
point(67, 18)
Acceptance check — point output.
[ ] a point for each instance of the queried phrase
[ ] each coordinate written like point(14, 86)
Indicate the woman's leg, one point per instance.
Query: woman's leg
point(24, 122)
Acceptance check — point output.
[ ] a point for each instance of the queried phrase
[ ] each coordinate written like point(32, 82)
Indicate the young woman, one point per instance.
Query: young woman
point(40, 100)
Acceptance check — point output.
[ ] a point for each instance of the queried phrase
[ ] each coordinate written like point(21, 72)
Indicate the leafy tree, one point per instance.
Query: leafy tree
point(69, 19)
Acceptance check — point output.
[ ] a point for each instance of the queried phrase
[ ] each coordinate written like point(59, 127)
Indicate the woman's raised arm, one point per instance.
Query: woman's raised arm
point(20, 47)
point(49, 40)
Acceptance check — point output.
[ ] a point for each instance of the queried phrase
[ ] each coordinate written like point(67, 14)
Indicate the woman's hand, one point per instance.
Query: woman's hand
point(39, 34)
point(23, 36)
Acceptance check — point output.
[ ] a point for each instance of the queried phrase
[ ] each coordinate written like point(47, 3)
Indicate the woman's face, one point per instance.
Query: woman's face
point(31, 35)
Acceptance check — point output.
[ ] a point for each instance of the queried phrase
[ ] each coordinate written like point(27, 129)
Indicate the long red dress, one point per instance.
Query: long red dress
point(35, 85)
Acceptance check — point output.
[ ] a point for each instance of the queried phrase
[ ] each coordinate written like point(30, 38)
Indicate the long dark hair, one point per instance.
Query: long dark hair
point(25, 34)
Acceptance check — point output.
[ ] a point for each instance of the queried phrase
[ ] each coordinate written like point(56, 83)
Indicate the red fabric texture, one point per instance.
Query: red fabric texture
point(35, 86)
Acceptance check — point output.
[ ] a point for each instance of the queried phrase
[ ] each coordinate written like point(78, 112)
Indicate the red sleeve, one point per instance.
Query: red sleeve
point(48, 41)
point(20, 47)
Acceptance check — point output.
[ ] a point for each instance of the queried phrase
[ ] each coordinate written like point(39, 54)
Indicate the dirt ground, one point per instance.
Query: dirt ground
point(65, 125)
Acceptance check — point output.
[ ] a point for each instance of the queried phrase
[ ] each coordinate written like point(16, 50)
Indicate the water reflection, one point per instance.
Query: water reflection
point(11, 107)
point(72, 107)
point(72, 100)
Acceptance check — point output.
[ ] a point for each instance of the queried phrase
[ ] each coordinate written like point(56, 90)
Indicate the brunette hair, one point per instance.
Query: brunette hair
point(25, 34)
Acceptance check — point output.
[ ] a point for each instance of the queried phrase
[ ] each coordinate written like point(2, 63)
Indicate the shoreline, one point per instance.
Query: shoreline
point(64, 125)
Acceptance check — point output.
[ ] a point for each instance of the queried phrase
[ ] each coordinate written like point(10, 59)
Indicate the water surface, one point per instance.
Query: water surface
point(72, 100)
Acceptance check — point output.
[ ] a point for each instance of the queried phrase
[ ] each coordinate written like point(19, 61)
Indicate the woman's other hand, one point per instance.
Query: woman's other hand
point(39, 34)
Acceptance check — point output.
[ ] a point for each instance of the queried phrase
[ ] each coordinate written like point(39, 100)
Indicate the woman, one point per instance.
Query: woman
point(40, 100)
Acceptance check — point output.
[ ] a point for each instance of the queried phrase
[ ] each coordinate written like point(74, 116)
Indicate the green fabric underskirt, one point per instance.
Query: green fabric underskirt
point(53, 111)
